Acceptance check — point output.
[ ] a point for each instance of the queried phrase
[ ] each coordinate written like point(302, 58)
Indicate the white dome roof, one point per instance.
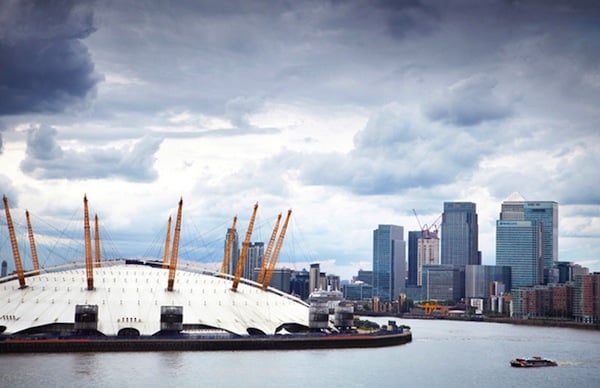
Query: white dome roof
point(131, 296)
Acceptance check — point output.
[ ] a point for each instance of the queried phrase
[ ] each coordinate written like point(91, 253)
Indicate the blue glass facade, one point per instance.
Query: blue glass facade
point(460, 234)
point(389, 262)
point(530, 245)
point(413, 237)
point(545, 213)
point(478, 278)
point(443, 282)
point(519, 246)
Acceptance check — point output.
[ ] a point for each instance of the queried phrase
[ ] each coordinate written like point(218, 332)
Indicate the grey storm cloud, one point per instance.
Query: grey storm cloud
point(470, 102)
point(46, 159)
point(392, 153)
point(44, 65)
point(1, 142)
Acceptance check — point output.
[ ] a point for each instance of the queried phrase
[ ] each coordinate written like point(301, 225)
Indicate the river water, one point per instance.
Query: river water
point(442, 354)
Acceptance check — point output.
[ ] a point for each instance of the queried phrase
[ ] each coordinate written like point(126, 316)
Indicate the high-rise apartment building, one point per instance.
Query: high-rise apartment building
point(389, 262)
point(587, 298)
point(460, 234)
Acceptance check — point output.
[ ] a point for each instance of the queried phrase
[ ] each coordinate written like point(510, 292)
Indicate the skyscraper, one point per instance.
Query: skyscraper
point(460, 234)
point(413, 237)
point(428, 252)
point(254, 259)
point(314, 277)
point(546, 213)
point(389, 262)
point(234, 255)
point(527, 239)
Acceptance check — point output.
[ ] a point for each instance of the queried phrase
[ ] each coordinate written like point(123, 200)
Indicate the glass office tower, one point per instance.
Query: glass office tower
point(527, 239)
point(460, 234)
point(389, 262)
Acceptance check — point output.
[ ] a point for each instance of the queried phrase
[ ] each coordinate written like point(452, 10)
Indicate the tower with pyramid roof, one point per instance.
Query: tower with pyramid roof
point(527, 239)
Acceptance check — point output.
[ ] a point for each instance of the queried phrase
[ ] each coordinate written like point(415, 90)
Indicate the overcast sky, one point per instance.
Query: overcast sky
point(351, 113)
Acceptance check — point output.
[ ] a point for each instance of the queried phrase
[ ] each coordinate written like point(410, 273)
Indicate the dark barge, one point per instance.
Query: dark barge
point(199, 343)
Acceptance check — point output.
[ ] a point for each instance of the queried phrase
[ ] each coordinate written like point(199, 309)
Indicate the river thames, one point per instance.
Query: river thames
point(442, 354)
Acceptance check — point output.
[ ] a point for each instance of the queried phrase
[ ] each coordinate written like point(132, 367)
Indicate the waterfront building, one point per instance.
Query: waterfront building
point(587, 298)
point(460, 231)
point(482, 281)
point(443, 282)
point(554, 300)
point(413, 277)
point(389, 262)
point(414, 292)
point(234, 254)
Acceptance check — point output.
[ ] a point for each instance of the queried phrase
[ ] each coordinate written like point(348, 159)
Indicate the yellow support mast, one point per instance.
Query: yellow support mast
point(271, 268)
point(89, 268)
point(267, 256)
point(227, 256)
point(34, 255)
point(14, 246)
point(241, 262)
point(97, 240)
point(175, 250)
point(167, 243)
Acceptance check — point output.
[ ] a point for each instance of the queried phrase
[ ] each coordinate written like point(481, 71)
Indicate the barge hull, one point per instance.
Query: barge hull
point(202, 344)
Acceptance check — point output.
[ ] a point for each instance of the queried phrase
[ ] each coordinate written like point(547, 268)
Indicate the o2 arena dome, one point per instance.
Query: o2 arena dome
point(143, 297)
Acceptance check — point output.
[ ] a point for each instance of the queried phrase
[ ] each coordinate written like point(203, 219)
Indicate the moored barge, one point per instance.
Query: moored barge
point(202, 343)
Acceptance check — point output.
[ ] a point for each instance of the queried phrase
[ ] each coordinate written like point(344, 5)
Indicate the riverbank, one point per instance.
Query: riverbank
point(545, 322)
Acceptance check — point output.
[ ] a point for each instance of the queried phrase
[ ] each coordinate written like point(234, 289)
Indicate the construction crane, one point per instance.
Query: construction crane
point(267, 256)
point(426, 231)
point(227, 256)
point(241, 262)
point(271, 267)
